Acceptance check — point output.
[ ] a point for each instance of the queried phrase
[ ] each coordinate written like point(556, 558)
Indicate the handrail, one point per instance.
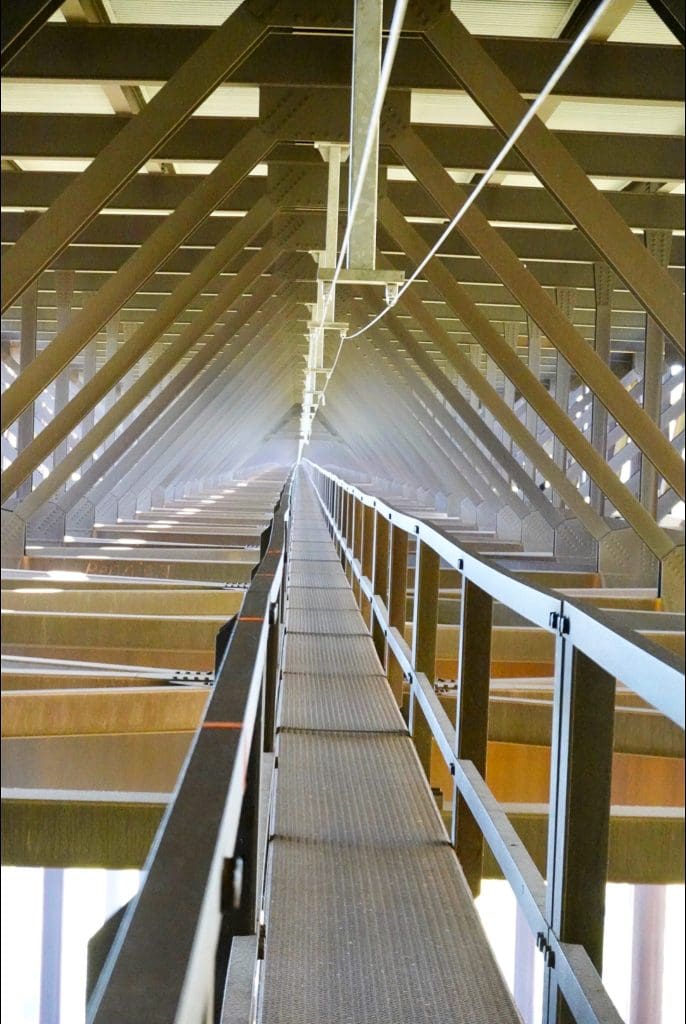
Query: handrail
point(653, 672)
point(590, 652)
point(161, 965)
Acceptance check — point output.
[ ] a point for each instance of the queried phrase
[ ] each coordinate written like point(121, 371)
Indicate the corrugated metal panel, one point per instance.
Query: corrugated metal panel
point(625, 118)
point(434, 107)
point(171, 12)
point(643, 25)
point(54, 98)
point(539, 18)
point(225, 101)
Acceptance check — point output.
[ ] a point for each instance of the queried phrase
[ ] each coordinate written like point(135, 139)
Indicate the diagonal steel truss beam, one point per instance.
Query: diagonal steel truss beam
point(479, 473)
point(134, 144)
point(181, 391)
point(21, 20)
point(487, 241)
point(561, 175)
point(126, 357)
point(133, 396)
point(536, 395)
point(464, 410)
point(163, 241)
point(172, 440)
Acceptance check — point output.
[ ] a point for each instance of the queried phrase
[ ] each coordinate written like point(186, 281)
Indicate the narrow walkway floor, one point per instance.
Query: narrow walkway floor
point(369, 918)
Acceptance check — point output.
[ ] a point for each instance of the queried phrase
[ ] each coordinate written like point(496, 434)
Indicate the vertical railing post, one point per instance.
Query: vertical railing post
point(397, 604)
point(424, 632)
point(358, 527)
point(579, 823)
point(272, 674)
point(367, 558)
point(471, 722)
point(382, 536)
point(239, 903)
point(349, 532)
point(338, 508)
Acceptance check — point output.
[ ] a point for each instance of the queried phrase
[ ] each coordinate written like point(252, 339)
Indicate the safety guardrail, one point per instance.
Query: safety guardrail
point(565, 911)
point(201, 882)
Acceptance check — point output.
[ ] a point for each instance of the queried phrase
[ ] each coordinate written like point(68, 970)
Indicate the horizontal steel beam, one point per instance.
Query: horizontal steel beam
point(651, 157)
point(160, 194)
point(554, 244)
point(152, 53)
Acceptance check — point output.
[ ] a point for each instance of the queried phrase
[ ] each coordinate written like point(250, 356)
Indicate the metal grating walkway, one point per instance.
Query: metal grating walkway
point(369, 918)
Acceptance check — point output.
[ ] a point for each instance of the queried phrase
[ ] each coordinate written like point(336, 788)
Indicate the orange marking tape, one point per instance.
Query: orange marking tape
point(250, 618)
point(222, 725)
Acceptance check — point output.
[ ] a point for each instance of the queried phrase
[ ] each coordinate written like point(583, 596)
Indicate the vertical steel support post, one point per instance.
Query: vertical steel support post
point(27, 353)
point(534, 364)
point(659, 244)
point(471, 721)
point(475, 356)
point(511, 335)
point(365, 80)
point(579, 822)
point(64, 287)
point(382, 536)
point(603, 279)
point(424, 631)
point(397, 603)
point(565, 298)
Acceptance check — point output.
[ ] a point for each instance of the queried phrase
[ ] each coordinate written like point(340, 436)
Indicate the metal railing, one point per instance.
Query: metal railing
point(203, 875)
point(591, 653)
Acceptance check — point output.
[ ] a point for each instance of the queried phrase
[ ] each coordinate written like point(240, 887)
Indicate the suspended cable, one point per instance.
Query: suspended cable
point(509, 144)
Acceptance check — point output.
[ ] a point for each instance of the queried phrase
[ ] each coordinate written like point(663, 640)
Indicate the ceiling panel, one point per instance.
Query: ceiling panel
point(539, 18)
point(642, 25)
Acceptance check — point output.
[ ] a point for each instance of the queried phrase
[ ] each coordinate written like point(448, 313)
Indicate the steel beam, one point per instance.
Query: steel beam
point(365, 80)
point(27, 355)
point(537, 396)
point(152, 53)
point(164, 192)
point(469, 417)
point(155, 374)
point(672, 13)
point(565, 298)
point(659, 243)
point(147, 334)
point(175, 397)
point(539, 305)
point(561, 175)
point(150, 461)
point(21, 21)
point(64, 286)
point(449, 463)
point(478, 472)
point(604, 287)
point(141, 137)
point(151, 254)
point(639, 157)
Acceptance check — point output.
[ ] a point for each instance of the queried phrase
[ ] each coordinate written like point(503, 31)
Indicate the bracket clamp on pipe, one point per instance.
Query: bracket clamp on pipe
point(560, 623)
